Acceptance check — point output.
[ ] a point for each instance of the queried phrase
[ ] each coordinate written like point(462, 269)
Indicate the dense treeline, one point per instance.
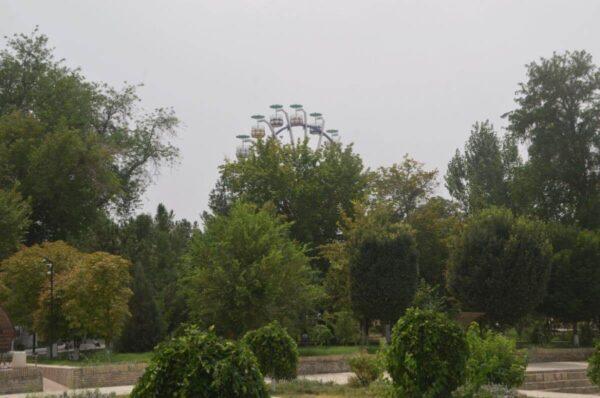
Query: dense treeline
point(309, 238)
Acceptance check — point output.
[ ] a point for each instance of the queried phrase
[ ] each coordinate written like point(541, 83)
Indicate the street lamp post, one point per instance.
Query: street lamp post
point(50, 266)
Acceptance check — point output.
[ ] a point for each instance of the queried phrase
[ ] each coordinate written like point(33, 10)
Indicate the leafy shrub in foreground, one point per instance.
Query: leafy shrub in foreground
point(593, 372)
point(200, 364)
point(367, 368)
point(493, 359)
point(275, 350)
point(428, 355)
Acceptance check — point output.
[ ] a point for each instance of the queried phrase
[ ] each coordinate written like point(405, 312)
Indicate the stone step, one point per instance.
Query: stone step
point(573, 381)
point(578, 390)
point(555, 375)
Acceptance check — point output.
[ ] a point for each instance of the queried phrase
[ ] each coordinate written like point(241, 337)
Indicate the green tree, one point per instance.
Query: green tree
point(311, 188)
point(144, 329)
point(403, 186)
point(500, 265)
point(383, 267)
point(481, 176)
point(74, 148)
point(14, 221)
point(245, 271)
point(434, 224)
point(558, 116)
point(574, 285)
point(96, 294)
point(25, 278)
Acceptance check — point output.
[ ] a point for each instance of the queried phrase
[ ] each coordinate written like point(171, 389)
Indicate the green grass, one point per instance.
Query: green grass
point(312, 351)
point(97, 358)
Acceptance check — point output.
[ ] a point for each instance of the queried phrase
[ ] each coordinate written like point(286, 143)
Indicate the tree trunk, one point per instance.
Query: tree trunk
point(575, 335)
point(365, 332)
point(388, 333)
point(34, 342)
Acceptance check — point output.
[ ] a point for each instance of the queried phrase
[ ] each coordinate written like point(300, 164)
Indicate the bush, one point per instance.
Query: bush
point(428, 355)
point(593, 372)
point(320, 335)
point(275, 350)
point(367, 368)
point(200, 364)
point(345, 328)
point(493, 359)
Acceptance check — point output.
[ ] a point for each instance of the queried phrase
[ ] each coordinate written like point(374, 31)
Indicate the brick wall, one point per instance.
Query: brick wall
point(22, 380)
point(94, 376)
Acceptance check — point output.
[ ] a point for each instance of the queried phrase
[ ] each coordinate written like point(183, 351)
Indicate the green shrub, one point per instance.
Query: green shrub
point(493, 359)
point(428, 355)
point(539, 332)
point(345, 328)
point(593, 372)
point(366, 367)
point(275, 350)
point(586, 334)
point(200, 364)
point(320, 335)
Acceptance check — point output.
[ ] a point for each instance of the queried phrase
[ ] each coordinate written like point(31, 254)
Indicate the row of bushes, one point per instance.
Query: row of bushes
point(430, 356)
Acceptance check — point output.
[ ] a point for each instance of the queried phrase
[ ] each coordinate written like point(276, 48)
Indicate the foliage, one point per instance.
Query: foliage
point(383, 268)
point(275, 350)
point(320, 335)
point(96, 294)
point(200, 364)
point(310, 188)
point(500, 265)
point(143, 328)
point(306, 388)
point(434, 224)
point(430, 298)
point(593, 372)
point(403, 187)
point(557, 116)
point(493, 359)
point(245, 271)
point(366, 368)
point(25, 277)
point(76, 149)
point(574, 285)
point(345, 328)
point(481, 176)
point(14, 221)
point(428, 354)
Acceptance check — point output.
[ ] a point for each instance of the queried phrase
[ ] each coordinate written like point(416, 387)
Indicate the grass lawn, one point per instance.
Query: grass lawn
point(96, 358)
point(311, 351)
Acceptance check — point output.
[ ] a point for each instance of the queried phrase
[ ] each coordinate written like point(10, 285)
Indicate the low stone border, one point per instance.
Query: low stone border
point(323, 364)
point(539, 354)
point(94, 376)
point(20, 380)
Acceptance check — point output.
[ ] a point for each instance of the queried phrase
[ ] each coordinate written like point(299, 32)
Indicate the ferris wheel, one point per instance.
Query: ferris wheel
point(282, 124)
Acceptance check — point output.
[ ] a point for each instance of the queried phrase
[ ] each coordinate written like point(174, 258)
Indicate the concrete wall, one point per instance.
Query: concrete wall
point(94, 376)
point(323, 364)
point(22, 380)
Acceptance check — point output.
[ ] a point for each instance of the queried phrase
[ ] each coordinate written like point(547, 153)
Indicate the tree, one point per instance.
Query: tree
point(144, 328)
point(500, 265)
point(96, 294)
point(574, 285)
point(481, 176)
point(434, 224)
point(403, 186)
point(75, 149)
point(311, 188)
point(245, 272)
point(25, 278)
point(558, 116)
point(14, 221)
point(383, 267)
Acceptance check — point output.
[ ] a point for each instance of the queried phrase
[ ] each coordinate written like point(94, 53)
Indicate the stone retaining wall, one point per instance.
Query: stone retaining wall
point(94, 376)
point(539, 354)
point(323, 364)
point(20, 380)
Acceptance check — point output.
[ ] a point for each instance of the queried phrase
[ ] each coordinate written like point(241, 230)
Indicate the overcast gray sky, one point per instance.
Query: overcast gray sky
point(394, 77)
